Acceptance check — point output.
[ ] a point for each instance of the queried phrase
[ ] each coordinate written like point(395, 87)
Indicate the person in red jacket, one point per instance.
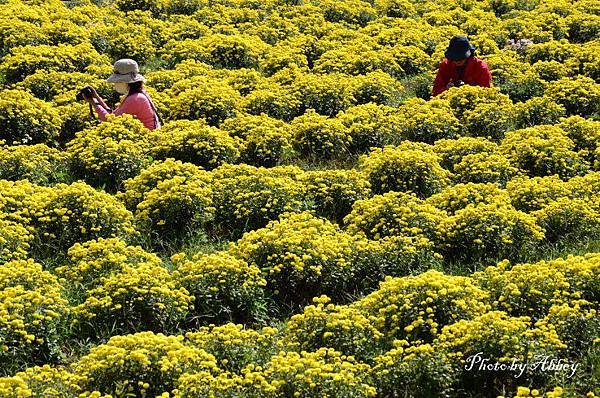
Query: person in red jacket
point(461, 67)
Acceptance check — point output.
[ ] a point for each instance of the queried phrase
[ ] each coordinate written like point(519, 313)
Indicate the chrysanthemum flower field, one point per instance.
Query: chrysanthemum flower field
point(309, 221)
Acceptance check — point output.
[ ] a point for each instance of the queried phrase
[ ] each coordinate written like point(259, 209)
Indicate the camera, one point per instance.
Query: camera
point(459, 83)
point(84, 93)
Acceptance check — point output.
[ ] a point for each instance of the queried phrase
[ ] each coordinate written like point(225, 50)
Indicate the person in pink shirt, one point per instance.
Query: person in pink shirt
point(129, 82)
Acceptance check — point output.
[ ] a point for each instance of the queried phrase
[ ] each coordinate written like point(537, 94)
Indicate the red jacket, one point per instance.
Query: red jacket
point(476, 73)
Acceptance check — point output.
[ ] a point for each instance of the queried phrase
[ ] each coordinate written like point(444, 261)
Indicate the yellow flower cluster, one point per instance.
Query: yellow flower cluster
point(543, 150)
point(473, 174)
point(174, 207)
point(303, 256)
point(24, 61)
point(135, 189)
point(111, 152)
point(15, 241)
point(319, 137)
point(417, 307)
point(30, 308)
point(325, 372)
point(224, 287)
point(484, 112)
point(37, 163)
point(459, 196)
point(136, 297)
point(334, 192)
point(246, 197)
point(404, 168)
point(195, 142)
point(323, 324)
point(427, 121)
point(234, 346)
point(475, 232)
point(266, 141)
point(66, 214)
point(142, 363)
point(88, 262)
point(42, 381)
point(395, 214)
point(370, 125)
point(26, 119)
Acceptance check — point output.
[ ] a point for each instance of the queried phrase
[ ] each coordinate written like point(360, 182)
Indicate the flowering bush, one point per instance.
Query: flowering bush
point(277, 101)
point(358, 59)
point(542, 151)
point(419, 370)
point(528, 194)
point(403, 168)
point(484, 167)
point(537, 110)
point(31, 308)
point(475, 231)
point(417, 307)
point(325, 372)
point(141, 363)
point(569, 220)
point(42, 381)
point(485, 112)
point(526, 289)
point(580, 95)
point(459, 196)
point(453, 151)
point(323, 93)
point(394, 214)
point(137, 188)
point(66, 214)
point(120, 37)
point(342, 328)
point(212, 100)
point(427, 121)
point(26, 119)
point(25, 60)
point(135, 298)
point(224, 288)
point(333, 192)
point(247, 198)
point(585, 134)
point(218, 50)
point(370, 125)
point(194, 142)
point(576, 323)
point(319, 137)
point(88, 262)
point(111, 152)
point(376, 87)
point(501, 338)
point(266, 141)
point(302, 256)
point(37, 163)
point(234, 346)
point(174, 208)
point(15, 241)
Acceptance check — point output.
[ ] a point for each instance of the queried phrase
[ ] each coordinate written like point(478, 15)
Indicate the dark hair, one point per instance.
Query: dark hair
point(135, 87)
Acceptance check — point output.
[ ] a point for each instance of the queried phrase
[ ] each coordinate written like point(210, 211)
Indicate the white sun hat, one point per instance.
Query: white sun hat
point(126, 71)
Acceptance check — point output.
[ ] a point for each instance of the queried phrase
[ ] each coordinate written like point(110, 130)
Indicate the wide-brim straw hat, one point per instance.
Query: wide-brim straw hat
point(126, 71)
point(459, 48)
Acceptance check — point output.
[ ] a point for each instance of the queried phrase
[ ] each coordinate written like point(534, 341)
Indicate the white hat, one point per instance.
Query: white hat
point(126, 71)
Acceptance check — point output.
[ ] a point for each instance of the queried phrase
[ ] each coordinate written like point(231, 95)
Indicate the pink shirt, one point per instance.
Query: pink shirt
point(136, 104)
